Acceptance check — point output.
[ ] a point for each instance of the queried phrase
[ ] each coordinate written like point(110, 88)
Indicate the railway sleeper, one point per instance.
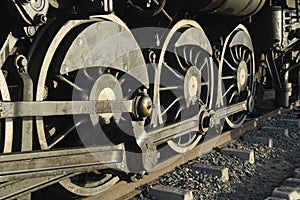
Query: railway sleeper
point(286, 192)
point(164, 192)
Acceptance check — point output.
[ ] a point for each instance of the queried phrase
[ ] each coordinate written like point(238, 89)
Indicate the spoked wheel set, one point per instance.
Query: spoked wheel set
point(99, 59)
point(236, 71)
point(186, 80)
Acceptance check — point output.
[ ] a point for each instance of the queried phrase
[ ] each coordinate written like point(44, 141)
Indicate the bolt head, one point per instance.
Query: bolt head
point(144, 106)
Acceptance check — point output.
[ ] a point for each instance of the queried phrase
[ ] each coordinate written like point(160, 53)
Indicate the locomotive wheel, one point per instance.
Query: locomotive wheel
point(55, 81)
point(6, 125)
point(237, 71)
point(185, 80)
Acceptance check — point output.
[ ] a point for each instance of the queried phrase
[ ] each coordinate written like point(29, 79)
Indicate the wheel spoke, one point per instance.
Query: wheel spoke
point(244, 54)
point(122, 81)
point(227, 91)
point(205, 63)
point(178, 112)
point(185, 55)
point(87, 74)
point(191, 54)
point(232, 96)
point(229, 65)
point(233, 56)
point(172, 104)
point(197, 57)
point(170, 88)
point(117, 74)
point(64, 135)
point(238, 53)
point(177, 74)
point(228, 77)
point(179, 140)
point(65, 80)
point(248, 59)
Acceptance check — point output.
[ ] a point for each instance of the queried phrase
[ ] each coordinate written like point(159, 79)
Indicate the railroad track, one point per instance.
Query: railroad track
point(267, 167)
point(123, 190)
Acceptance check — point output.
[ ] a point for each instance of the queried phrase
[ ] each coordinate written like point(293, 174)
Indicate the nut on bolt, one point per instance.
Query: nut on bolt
point(30, 31)
point(40, 19)
point(143, 105)
point(250, 104)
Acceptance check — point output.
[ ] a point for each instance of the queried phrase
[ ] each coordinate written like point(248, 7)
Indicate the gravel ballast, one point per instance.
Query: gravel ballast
point(246, 181)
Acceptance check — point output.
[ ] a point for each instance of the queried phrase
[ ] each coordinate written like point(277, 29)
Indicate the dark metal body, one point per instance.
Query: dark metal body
point(227, 7)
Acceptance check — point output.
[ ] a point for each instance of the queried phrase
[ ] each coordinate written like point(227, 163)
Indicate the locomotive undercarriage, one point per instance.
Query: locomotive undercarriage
point(86, 101)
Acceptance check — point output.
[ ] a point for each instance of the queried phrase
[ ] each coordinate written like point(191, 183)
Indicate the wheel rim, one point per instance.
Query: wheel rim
point(60, 86)
point(185, 80)
point(88, 186)
point(236, 72)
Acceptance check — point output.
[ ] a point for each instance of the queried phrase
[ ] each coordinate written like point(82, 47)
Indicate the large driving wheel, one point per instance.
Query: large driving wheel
point(75, 67)
point(184, 80)
point(237, 70)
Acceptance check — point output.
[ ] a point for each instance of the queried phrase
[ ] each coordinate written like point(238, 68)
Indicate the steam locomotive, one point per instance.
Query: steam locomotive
point(148, 74)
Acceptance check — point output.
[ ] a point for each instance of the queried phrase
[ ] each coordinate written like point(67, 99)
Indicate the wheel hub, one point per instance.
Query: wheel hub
point(242, 76)
point(106, 87)
point(192, 87)
point(107, 94)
